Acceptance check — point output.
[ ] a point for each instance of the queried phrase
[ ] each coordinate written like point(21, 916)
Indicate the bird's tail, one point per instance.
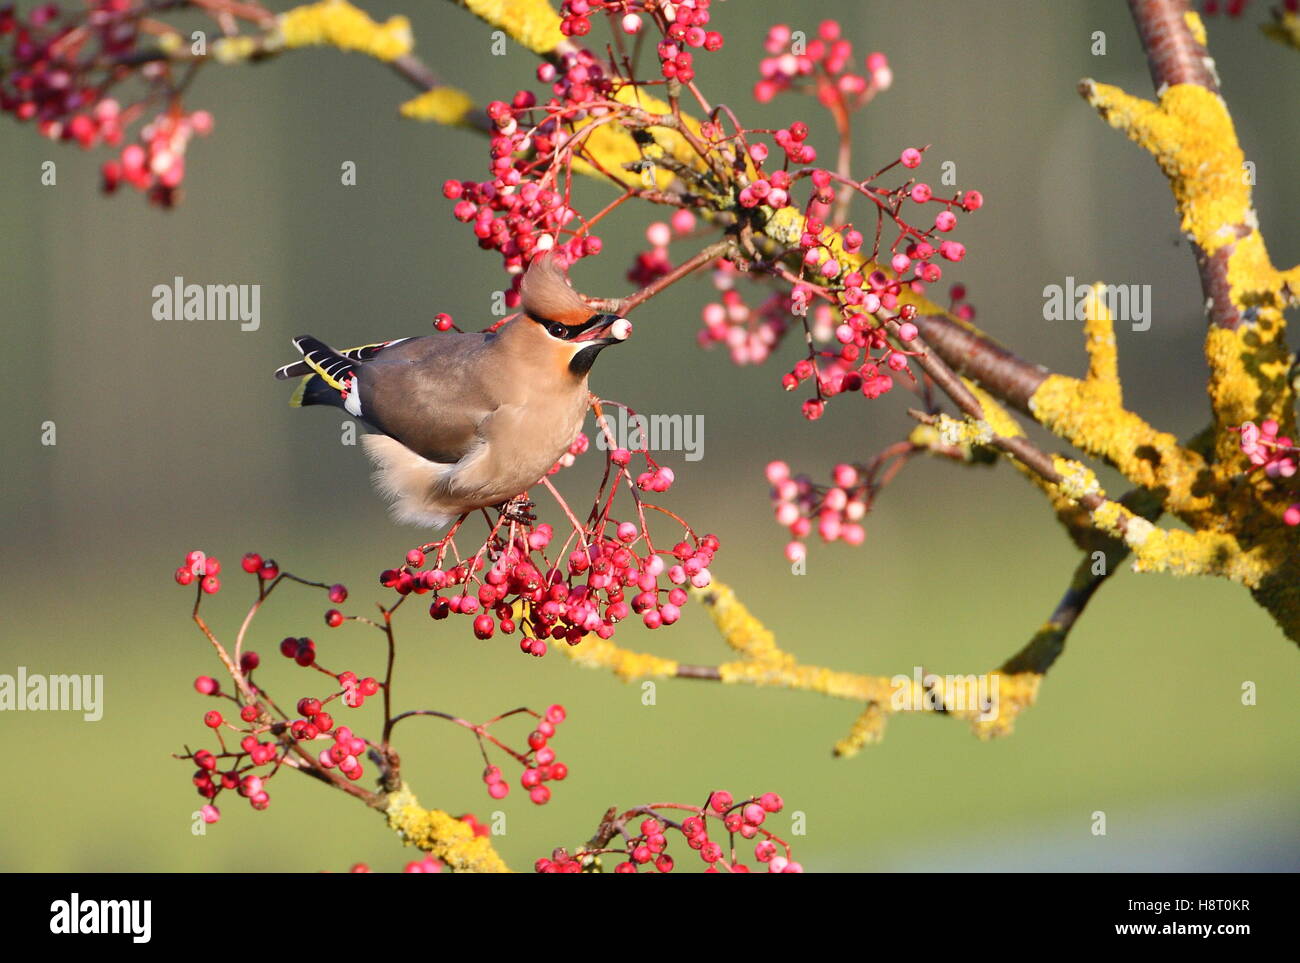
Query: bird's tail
point(313, 390)
point(304, 367)
point(327, 376)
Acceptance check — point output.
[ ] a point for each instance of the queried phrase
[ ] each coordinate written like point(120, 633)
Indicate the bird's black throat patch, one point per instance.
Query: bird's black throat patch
point(581, 362)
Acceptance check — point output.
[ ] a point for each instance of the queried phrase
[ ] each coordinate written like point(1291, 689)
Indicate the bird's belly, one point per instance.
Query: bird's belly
point(498, 470)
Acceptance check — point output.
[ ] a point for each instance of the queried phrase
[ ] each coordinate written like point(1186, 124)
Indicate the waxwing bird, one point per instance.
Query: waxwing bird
point(467, 421)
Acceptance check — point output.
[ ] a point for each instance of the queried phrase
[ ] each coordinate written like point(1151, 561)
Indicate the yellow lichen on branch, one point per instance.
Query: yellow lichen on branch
point(337, 23)
point(449, 106)
point(1285, 28)
point(1190, 134)
point(611, 147)
point(1090, 413)
point(597, 653)
point(1235, 509)
point(1087, 413)
point(441, 835)
point(764, 663)
point(532, 23)
point(868, 729)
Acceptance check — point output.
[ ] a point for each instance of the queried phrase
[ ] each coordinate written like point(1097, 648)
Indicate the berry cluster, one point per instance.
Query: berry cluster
point(524, 207)
point(750, 334)
point(157, 163)
point(652, 264)
point(875, 323)
point(199, 566)
point(1265, 449)
point(682, 23)
point(539, 762)
point(1274, 453)
point(646, 845)
point(270, 739)
point(46, 76)
point(511, 584)
point(56, 75)
point(838, 510)
point(822, 64)
point(288, 739)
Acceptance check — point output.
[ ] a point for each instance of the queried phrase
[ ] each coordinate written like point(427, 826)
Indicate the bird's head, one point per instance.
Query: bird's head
point(562, 322)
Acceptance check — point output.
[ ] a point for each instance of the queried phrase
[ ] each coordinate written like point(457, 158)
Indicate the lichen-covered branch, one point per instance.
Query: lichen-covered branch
point(989, 703)
point(1236, 513)
point(441, 835)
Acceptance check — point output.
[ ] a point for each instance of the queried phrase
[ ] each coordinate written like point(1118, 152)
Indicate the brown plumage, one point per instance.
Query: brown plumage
point(467, 421)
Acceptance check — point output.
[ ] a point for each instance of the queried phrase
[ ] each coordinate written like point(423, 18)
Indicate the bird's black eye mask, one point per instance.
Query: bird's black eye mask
point(567, 332)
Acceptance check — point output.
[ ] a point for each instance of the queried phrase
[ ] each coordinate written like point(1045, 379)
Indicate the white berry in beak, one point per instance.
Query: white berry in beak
point(621, 329)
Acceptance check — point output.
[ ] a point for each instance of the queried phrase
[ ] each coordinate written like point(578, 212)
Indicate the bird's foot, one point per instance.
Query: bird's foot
point(518, 510)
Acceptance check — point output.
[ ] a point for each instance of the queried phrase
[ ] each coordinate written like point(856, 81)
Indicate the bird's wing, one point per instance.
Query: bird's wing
point(365, 352)
point(433, 393)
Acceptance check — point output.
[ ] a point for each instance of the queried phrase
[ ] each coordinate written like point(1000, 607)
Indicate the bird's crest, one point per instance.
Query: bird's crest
point(547, 295)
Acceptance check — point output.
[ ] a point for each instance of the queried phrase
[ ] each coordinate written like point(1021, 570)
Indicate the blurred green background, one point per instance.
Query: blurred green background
point(172, 435)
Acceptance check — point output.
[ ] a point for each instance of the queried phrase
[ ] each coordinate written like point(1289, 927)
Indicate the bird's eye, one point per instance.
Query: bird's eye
point(558, 331)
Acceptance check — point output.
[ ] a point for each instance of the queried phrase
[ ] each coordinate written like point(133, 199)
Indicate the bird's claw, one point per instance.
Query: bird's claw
point(517, 510)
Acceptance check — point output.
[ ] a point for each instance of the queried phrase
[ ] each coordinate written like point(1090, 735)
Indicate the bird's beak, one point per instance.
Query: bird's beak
point(609, 329)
